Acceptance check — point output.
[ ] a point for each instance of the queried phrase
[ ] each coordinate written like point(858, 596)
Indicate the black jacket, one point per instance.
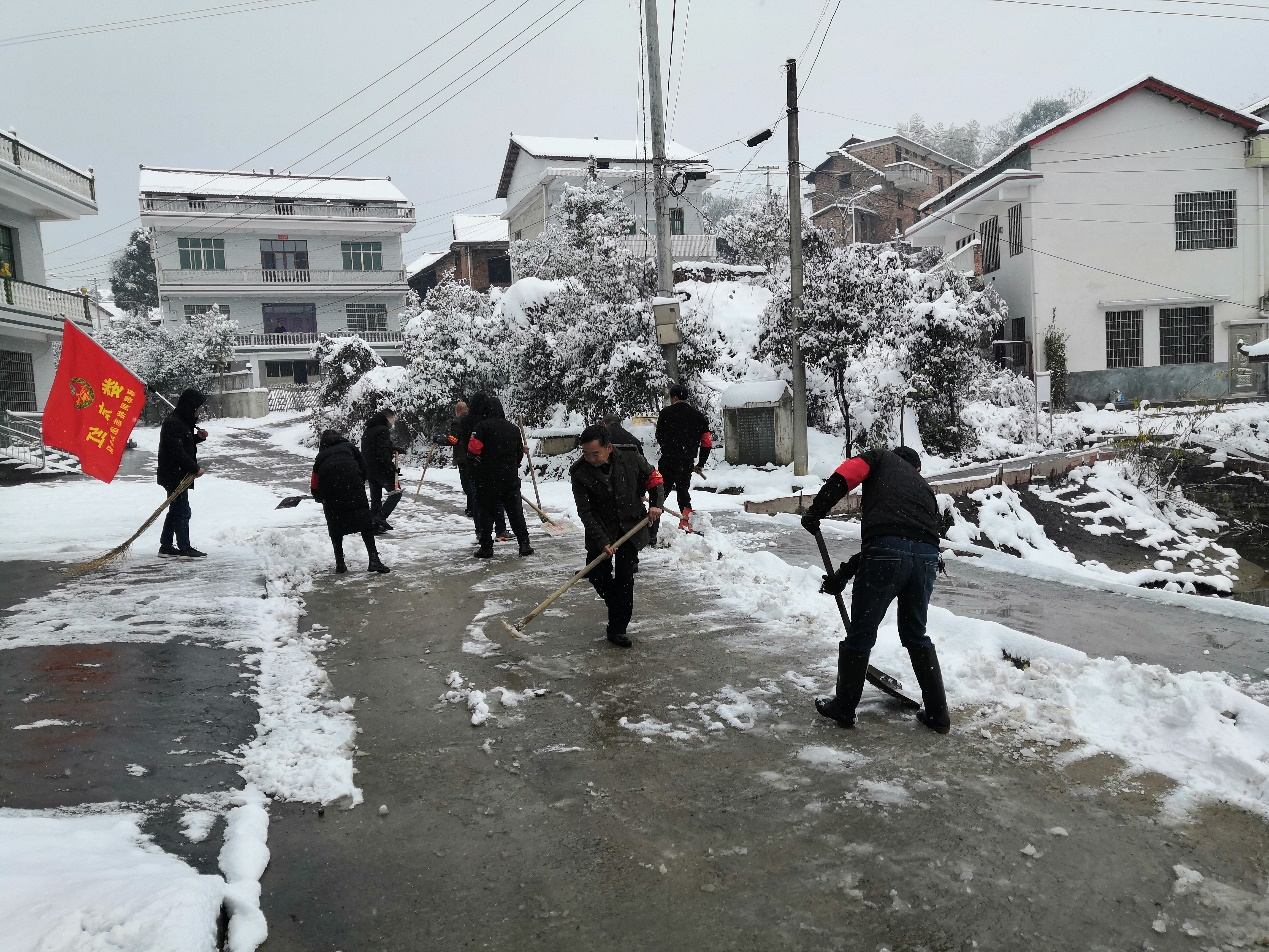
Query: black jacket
point(623, 438)
point(683, 431)
point(464, 426)
point(610, 504)
point(897, 501)
point(495, 448)
point(451, 438)
point(339, 484)
point(178, 441)
point(377, 451)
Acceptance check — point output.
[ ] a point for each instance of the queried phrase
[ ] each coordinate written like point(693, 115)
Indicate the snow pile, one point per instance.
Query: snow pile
point(477, 701)
point(95, 883)
point(525, 295)
point(243, 859)
point(1009, 526)
point(732, 309)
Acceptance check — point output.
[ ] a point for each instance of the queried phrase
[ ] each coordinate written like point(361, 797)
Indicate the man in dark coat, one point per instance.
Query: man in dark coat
point(494, 452)
point(178, 458)
point(622, 438)
point(608, 487)
point(899, 560)
point(380, 454)
point(466, 424)
point(450, 439)
point(339, 484)
point(683, 434)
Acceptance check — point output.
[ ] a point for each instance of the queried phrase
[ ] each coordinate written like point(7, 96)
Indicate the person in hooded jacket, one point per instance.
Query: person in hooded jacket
point(380, 455)
point(494, 452)
point(466, 424)
point(684, 437)
point(178, 457)
point(339, 484)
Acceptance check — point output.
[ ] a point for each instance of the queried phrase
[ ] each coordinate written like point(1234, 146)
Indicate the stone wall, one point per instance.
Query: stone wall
point(1170, 382)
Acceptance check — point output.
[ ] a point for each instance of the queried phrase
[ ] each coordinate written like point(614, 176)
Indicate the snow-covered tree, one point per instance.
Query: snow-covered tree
point(758, 233)
point(344, 361)
point(132, 279)
point(171, 360)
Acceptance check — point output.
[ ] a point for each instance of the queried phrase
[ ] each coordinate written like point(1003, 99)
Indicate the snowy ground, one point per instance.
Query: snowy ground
point(530, 707)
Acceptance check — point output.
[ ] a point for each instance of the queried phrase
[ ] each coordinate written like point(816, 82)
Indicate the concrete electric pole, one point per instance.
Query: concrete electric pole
point(800, 465)
point(667, 331)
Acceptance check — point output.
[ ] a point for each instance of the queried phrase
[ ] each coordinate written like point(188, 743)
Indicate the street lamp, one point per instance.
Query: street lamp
point(850, 204)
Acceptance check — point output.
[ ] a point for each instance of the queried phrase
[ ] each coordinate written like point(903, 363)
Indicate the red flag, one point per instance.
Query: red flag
point(93, 406)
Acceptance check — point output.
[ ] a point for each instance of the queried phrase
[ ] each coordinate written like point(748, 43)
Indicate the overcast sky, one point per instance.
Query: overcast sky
point(211, 92)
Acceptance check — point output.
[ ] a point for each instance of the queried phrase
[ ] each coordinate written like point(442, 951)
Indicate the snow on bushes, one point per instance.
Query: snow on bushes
point(169, 361)
point(344, 361)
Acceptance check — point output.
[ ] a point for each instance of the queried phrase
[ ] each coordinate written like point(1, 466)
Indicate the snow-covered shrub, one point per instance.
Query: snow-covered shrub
point(344, 361)
point(757, 233)
point(169, 361)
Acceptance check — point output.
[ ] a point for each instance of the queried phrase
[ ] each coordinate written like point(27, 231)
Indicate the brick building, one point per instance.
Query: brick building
point(870, 190)
point(478, 256)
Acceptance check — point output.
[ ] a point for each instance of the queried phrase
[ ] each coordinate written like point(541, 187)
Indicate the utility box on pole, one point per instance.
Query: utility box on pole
point(666, 313)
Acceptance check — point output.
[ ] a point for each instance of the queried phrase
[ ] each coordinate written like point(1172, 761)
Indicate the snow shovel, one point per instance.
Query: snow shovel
point(517, 630)
point(883, 682)
point(532, 472)
point(427, 462)
point(549, 524)
point(290, 502)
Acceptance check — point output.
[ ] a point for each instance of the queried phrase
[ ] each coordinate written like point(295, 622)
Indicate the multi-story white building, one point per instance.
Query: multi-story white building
point(34, 188)
point(1137, 223)
point(537, 169)
point(289, 257)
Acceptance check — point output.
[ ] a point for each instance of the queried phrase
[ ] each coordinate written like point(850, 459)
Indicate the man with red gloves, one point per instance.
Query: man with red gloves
point(683, 433)
point(900, 559)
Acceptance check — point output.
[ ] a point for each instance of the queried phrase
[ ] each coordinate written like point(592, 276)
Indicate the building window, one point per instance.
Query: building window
point(364, 318)
point(989, 235)
point(500, 270)
point(898, 226)
point(1206, 220)
point(1018, 328)
point(843, 180)
point(519, 234)
point(201, 254)
point(289, 318)
point(1123, 338)
point(898, 153)
point(1015, 230)
point(362, 255)
point(962, 242)
point(8, 257)
point(939, 182)
point(283, 256)
point(193, 310)
point(676, 221)
point(1185, 335)
point(17, 381)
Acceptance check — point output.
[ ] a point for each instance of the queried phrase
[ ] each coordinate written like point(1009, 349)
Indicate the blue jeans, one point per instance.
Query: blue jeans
point(891, 568)
point(177, 521)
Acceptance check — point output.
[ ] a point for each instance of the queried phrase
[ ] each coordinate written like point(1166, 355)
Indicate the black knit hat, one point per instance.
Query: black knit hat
point(909, 455)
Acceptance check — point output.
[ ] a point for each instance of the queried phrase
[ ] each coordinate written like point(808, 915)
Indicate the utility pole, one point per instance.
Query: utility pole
point(800, 466)
point(669, 337)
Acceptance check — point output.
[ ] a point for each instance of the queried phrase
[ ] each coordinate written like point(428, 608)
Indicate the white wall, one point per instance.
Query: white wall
point(242, 247)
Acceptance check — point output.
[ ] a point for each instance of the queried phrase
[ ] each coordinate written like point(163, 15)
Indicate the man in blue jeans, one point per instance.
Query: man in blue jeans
point(899, 560)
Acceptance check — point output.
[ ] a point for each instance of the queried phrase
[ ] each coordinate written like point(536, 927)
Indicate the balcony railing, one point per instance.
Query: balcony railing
point(41, 165)
point(248, 276)
point(310, 337)
point(682, 247)
point(197, 206)
point(908, 176)
point(46, 302)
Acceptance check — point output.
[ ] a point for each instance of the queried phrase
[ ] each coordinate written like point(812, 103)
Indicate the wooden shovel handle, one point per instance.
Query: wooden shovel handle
point(540, 512)
point(581, 575)
point(426, 463)
point(532, 472)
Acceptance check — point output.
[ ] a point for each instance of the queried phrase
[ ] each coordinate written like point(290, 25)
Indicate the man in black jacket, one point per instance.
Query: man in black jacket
point(465, 426)
point(622, 438)
point(494, 452)
point(380, 456)
point(339, 484)
point(683, 434)
point(899, 560)
point(178, 457)
point(450, 438)
point(608, 487)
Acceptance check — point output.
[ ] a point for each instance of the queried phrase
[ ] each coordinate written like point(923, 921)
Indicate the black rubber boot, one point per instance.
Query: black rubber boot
point(925, 665)
point(851, 668)
point(484, 552)
point(338, 544)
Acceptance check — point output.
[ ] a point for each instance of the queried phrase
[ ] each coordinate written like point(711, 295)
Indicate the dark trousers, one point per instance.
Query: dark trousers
point(379, 509)
point(494, 501)
point(614, 581)
point(677, 474)
point(337, 542)
point(464, 480)
point(177, 522)
point(473, 505)
point(892, 568)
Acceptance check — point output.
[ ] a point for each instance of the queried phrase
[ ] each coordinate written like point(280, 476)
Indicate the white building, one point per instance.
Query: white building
point(34, 188)
point(537, 169)
point(1136, 222)
point(288, 256)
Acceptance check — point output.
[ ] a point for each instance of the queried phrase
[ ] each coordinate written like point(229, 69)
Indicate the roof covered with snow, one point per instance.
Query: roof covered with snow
point(425, 260)
point(478, 228)
point(614, 150)
point(752, 392)
point(1237, 117)
point(235, 184)
point(1258, 350)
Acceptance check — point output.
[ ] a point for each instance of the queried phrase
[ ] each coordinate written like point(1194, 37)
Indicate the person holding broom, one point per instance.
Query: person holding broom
point(178, 458)
point(380, 456)
point(608, 487)
point(339, 484)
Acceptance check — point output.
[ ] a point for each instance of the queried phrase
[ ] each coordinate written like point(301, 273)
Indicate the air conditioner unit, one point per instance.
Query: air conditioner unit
point(1257, 152)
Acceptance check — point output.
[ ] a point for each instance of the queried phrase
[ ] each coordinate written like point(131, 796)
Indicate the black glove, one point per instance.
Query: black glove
point(811, 523)
point(835, 584)
point(830, 494)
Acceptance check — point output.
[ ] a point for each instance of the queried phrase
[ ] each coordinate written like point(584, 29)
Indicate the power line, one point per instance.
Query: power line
point(1160, 13)
point(827, 28)
point(206, 13)
point(678, 84)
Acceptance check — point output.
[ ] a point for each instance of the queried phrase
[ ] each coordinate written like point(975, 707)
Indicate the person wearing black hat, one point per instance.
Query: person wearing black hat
point(899, 559)
point(178, 457)
point(683, 434)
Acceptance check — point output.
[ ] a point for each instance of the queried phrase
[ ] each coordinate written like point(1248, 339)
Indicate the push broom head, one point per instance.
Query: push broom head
point(515, 631)
point(121, 550)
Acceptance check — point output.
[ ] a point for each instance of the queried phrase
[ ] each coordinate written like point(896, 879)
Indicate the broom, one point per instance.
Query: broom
point(119, 551)
point(427, 462)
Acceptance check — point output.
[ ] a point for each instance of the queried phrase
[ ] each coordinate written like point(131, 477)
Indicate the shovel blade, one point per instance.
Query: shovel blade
point(513, 630)
point(290, 502)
